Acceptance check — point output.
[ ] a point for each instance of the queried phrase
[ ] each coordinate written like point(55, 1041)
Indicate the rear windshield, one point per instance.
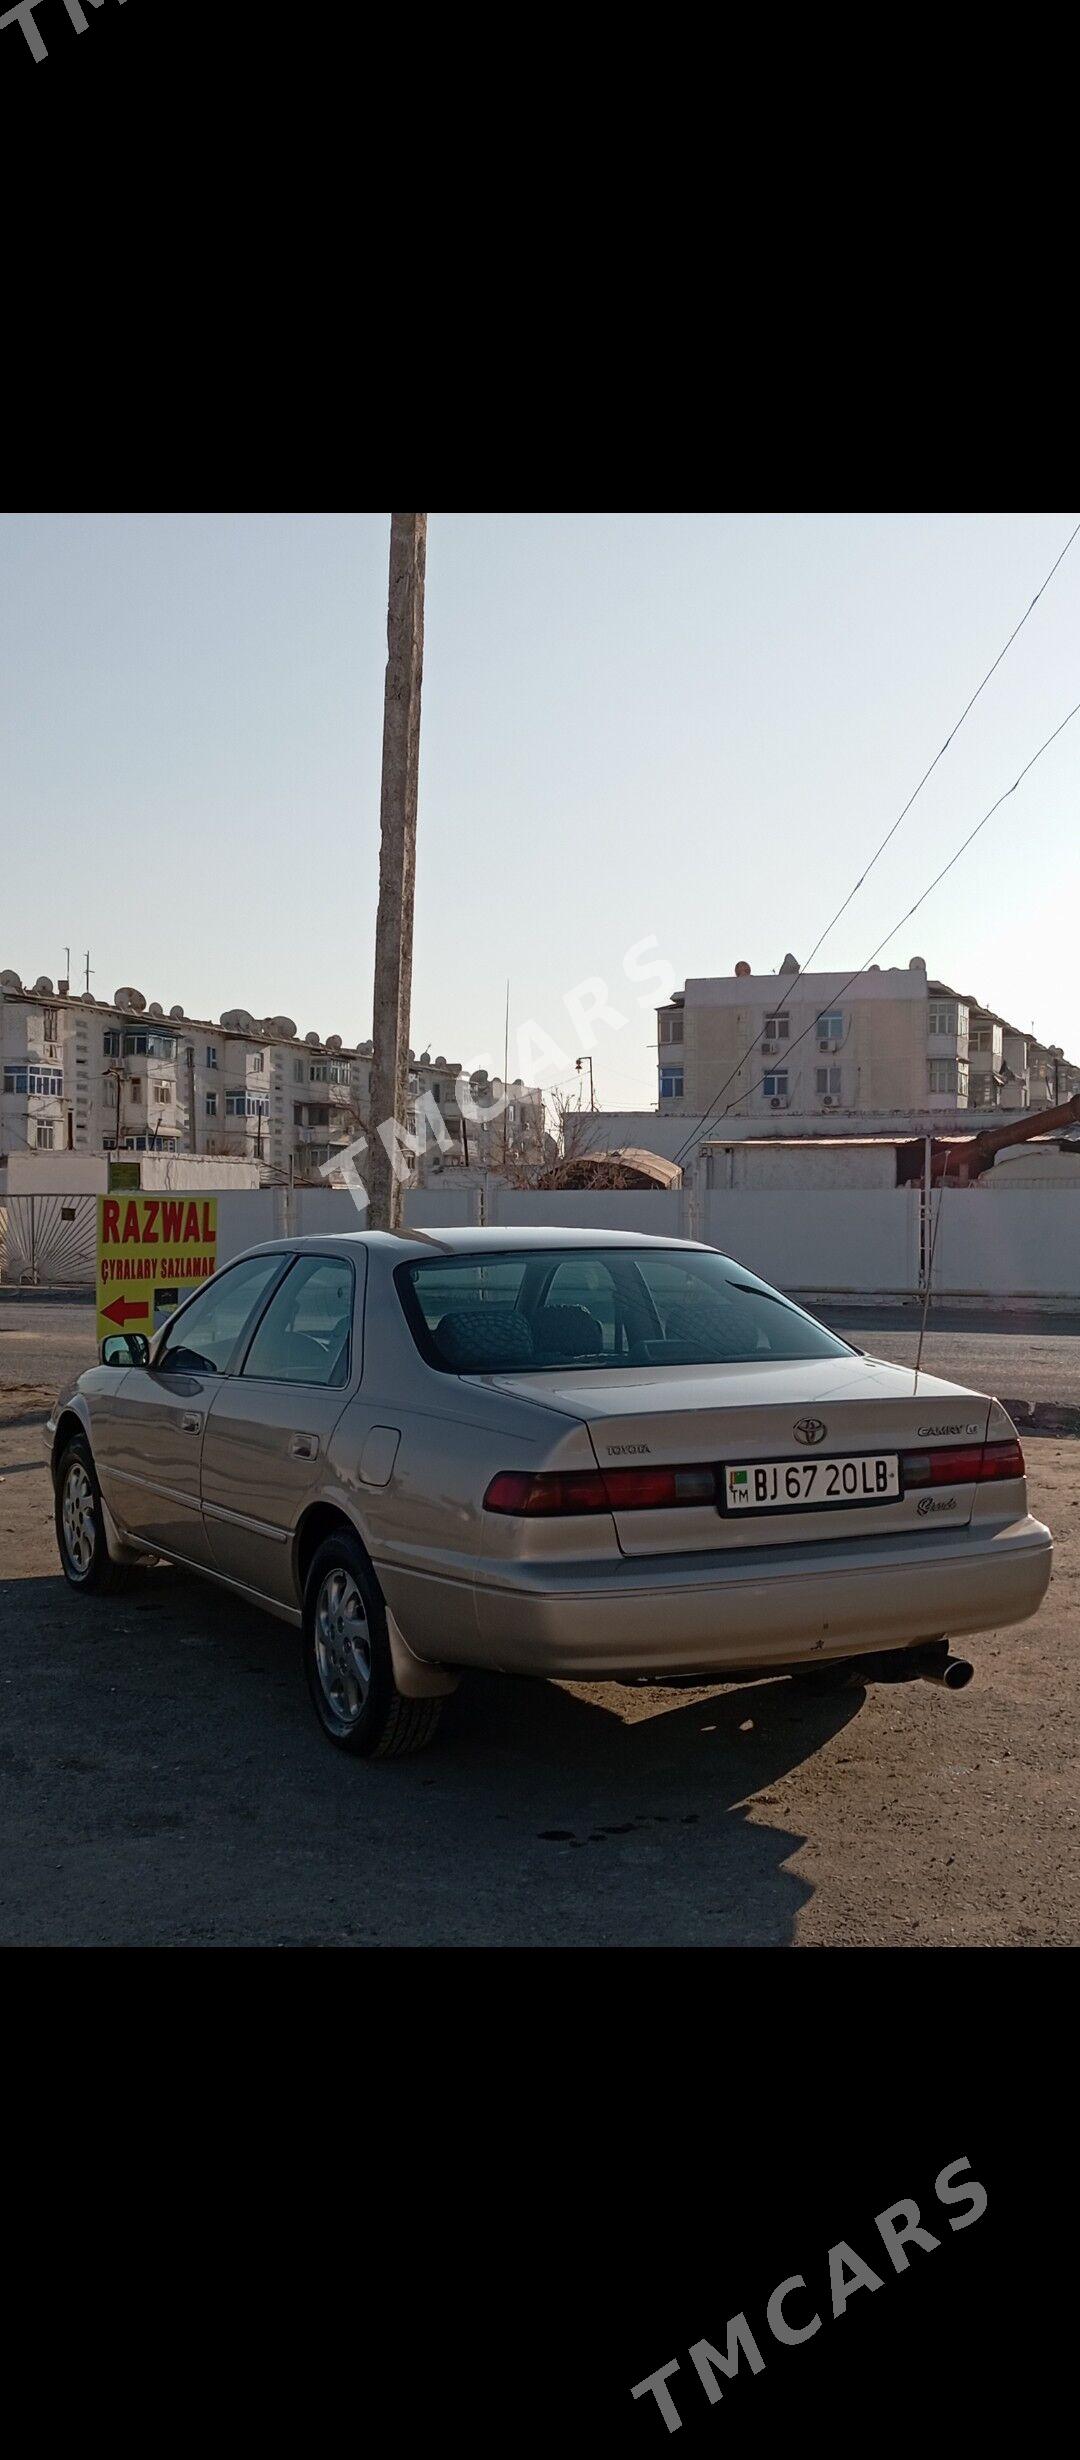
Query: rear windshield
point(517, 1314)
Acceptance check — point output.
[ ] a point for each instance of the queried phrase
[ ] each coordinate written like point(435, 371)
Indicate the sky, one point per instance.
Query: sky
point(684, 729)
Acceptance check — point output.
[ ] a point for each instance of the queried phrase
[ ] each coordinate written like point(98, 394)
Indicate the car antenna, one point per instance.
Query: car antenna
point(930, 1266)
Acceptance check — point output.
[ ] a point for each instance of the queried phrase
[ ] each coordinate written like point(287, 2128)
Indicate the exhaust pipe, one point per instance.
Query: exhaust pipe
point(954, 1672)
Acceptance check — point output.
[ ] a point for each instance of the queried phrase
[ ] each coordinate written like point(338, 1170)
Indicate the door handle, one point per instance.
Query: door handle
point(191, 1422)
point(305, 1445)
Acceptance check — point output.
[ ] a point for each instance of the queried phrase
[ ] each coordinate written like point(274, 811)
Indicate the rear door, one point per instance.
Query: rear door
point(269, 1426)
point(159, 1413)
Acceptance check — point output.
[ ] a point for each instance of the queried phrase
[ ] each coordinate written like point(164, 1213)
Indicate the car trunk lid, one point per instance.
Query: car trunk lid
point(763, 1414)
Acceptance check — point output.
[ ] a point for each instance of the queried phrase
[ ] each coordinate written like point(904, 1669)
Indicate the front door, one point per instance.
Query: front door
point(269, 1426)
point(160, 1412)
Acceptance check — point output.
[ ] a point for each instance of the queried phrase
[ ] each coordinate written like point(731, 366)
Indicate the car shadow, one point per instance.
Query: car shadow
point(543, 1813)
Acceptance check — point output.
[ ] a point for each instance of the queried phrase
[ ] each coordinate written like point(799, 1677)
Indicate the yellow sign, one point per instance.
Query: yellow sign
point(152, 1251)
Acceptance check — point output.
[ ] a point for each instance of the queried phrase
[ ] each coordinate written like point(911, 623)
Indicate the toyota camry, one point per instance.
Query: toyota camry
point(565, 1453)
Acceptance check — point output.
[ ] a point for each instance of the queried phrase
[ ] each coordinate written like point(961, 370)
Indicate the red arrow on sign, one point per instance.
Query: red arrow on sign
point(122, 1308)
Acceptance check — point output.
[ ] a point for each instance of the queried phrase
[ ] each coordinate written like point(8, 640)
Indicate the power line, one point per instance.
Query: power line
point(897, 927)
point(928, 773)
point(901, 816)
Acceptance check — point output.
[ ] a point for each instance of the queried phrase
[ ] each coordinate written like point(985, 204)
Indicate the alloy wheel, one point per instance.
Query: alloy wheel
point(342, 1646)
point(78, 1519)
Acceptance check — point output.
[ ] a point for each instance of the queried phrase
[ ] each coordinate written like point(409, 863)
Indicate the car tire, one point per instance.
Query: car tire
point(347, 1660)
point(80, 1523)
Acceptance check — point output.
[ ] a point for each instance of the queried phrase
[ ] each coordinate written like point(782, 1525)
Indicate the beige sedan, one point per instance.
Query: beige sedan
point(564, 1453)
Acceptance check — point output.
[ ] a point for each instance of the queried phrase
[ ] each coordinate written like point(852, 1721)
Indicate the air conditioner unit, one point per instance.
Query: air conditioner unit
point(771, 1048)
point(826, 1045)
point(827, 1099)
point(777, 1102)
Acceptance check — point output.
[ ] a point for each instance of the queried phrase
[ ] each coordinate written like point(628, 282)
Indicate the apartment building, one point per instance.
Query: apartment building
point(125, 1076)
point(891, 1041)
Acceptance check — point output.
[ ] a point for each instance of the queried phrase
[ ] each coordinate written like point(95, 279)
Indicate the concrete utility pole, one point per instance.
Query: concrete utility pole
point(397, 857)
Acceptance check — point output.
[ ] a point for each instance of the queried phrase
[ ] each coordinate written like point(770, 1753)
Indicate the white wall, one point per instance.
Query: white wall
point(45, 1174)
point(812, 1239)
point(1021, 1241)
point(1017, 1243)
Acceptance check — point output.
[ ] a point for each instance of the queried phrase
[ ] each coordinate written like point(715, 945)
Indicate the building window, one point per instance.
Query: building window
point(135, 1089)
point(774, 1085)
point(139, 1043)
point(831, 1027)
point(827, 1081)
point(211, 1054)
point(34, 1080)
point(211, 1106)
point(163, 1093)
point(256, 1061)
point(949, 1076)
point(671, 1024)
point(246, 1105)
point(949, 1017)
point(777, 1028)
point(44, 1136)
point(48, 1025)
point(671, 1084)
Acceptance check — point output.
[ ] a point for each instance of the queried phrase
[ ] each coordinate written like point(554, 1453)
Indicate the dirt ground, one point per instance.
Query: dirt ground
point(162, 1779)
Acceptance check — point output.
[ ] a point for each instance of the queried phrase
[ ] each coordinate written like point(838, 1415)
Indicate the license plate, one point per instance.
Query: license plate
point(806, 1486)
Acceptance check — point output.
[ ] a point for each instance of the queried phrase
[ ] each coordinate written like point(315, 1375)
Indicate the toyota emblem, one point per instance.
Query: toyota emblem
point(811, 1430)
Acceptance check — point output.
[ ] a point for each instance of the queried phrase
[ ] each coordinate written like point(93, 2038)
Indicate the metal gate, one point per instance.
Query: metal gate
point(48, 1240)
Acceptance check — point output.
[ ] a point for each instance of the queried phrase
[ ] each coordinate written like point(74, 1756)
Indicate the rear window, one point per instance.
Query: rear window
point(598, 1307)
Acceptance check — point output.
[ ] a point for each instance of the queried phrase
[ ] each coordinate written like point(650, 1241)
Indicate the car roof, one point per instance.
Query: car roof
point(455, 1240)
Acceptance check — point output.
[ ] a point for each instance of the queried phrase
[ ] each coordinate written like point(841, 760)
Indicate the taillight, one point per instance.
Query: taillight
point(538, 1494)
point(962, 1465)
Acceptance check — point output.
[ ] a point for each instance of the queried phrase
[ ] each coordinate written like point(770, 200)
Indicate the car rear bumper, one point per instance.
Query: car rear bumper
point(761, 1609)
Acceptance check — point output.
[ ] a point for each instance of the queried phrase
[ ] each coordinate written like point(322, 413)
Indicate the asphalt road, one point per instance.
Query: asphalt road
point(163, 1780)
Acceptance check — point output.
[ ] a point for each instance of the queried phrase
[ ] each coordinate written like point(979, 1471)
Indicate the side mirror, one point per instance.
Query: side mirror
point(124, 1350)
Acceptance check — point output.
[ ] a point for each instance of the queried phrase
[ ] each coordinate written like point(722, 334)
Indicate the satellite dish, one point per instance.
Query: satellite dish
point(286, 1027)
point(313, 1041)
point(10, 980)
point(237, 1021)
point(440, 1061)
point(127, 997)
point(425, 1059)
point(367, 1050)
point(333, 1042)
point(156, 1008)
point(43, 983)
point(176, 1012)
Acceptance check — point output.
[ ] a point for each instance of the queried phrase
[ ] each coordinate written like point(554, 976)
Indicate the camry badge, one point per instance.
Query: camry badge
point(811, 1430)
